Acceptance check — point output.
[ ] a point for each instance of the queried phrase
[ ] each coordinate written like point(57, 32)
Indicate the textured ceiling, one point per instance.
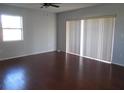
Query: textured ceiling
point(63, 6)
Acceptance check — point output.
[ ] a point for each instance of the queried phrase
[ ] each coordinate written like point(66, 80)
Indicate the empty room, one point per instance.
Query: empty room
point(61, 46)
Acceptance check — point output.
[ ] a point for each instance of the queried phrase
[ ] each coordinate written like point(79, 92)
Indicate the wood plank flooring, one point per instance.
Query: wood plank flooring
point(58, 70)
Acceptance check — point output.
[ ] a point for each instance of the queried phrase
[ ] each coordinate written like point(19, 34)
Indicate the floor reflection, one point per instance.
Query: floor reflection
point(80, 72)
point(15, 79)
point(66, 72)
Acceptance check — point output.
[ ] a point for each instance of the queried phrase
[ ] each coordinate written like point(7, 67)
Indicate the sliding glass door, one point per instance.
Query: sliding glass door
point(92, 38)
point(98, 38)
point(73, 30)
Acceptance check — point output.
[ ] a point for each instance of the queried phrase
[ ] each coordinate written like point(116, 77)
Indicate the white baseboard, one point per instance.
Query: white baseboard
point(58, 50)
point(90, 58)
point(73, 54)
point(2, 59)
point(97, 59)
point(118, 64)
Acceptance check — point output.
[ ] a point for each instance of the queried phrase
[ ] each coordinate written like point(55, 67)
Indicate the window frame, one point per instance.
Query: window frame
point(1, 28)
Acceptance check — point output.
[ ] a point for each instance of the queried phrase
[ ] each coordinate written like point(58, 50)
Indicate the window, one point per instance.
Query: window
point(11, 28)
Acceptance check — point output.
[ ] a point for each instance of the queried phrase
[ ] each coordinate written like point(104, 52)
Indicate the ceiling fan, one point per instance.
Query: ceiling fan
point(46, 5)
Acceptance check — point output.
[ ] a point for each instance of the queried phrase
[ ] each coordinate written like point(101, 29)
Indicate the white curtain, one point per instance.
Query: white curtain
point(98, 38)
point(73, 36)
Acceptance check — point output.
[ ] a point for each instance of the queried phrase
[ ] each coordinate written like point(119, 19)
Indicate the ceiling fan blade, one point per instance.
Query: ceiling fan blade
point(46, 5)
point(55, 5)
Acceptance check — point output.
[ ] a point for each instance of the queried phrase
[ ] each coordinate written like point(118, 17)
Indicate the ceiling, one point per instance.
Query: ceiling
point(63, 6)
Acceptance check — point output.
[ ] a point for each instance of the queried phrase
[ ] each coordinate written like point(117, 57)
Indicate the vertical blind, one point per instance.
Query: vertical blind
point(96, 40)
point(73, 29)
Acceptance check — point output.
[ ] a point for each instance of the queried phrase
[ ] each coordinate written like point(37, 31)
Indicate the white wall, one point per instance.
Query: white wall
point(100, 10)
point(39, 30)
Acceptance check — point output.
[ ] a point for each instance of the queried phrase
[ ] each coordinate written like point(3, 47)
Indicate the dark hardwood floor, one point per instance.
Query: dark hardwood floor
point(58, 70)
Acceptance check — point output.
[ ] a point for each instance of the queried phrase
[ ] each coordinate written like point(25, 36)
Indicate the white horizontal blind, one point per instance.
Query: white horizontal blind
point(98, 38)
